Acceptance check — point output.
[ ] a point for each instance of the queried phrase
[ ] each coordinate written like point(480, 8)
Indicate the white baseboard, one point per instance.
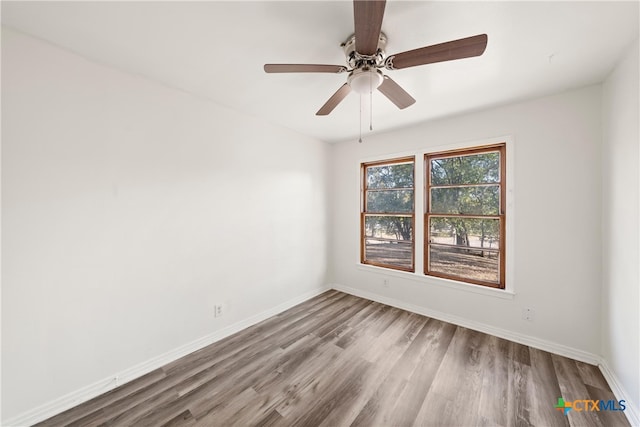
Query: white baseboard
point(84, 394)
point(631, 411)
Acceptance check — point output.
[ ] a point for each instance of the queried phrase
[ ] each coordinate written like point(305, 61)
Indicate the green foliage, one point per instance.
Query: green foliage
point(481, 168)
point(390, 176)
point(390, 190)
point(466, 185)
point(488, 230)
point(390, 201)
point(480, 200)
point(389, 227)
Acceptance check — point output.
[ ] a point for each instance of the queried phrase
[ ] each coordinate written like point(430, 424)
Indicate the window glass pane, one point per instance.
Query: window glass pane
point(389, 252)
point(390, 176)
point(465, 263)
point(468, 232)
point(388, 227)
point(481, 200)
point(385, 201)
point(470, 169)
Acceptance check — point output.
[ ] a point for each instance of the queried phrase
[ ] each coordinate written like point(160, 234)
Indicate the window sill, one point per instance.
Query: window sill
point(437, 281)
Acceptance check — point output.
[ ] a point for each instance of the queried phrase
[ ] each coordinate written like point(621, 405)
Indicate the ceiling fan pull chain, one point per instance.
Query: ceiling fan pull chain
point(360, 139)
point(370, 105)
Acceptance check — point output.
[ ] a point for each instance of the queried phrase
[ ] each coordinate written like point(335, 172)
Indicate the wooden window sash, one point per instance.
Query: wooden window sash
point(364, 213)
point(428, 158)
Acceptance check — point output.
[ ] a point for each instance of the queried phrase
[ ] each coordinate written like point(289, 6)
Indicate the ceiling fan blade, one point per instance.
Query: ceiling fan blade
point(368, 16)
point(395, 93)
point(303, 68)
point(335, 99)
point(455, 49)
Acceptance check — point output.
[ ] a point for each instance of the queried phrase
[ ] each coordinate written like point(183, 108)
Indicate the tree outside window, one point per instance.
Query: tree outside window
point(387, 214)
point(464, 220)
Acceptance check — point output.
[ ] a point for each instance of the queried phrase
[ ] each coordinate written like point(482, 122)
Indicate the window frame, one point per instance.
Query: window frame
point(364, 212)
point(501, 216)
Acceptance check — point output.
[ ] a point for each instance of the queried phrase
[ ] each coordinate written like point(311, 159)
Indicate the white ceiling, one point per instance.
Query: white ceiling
point(217, 50)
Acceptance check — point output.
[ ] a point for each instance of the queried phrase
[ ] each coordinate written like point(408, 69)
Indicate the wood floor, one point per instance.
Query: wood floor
point(339, 360)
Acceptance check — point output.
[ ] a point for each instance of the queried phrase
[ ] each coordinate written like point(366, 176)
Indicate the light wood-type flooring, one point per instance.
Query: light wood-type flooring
point(340, 360)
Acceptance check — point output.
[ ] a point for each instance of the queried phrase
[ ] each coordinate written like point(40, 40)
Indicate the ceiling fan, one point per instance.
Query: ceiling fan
point(366, 56)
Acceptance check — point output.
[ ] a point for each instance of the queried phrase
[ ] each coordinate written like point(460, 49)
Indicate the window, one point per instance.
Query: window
point(465, 215)
point(387, 214)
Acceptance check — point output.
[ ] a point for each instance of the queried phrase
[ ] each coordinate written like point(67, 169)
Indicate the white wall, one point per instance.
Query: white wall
point(129, 210)
point(621, 256)
point(557, 220)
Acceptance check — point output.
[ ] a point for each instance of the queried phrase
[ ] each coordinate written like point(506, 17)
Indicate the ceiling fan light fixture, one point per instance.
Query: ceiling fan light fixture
point(365, 56)
point(365, 80)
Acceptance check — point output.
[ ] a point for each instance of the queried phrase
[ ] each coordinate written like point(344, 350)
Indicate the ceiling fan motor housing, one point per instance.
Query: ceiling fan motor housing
point(357, 60)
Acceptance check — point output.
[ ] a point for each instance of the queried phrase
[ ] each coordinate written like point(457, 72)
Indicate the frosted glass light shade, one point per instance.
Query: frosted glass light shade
point(363, 81)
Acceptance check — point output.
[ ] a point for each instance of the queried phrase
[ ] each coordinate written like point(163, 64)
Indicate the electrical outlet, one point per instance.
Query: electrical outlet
point(217, 310)
point(528, 314)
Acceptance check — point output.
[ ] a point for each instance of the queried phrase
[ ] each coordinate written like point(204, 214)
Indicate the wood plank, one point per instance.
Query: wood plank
point(544, 391)
point(399, 398)
point(459, 379)
point(391, 345)
point(609, 418)
point(494, 391)
point(518, 405)
point(185, 419)
point(332, 395)
point(573, 389)
point(411, 406)
point(591, 375)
